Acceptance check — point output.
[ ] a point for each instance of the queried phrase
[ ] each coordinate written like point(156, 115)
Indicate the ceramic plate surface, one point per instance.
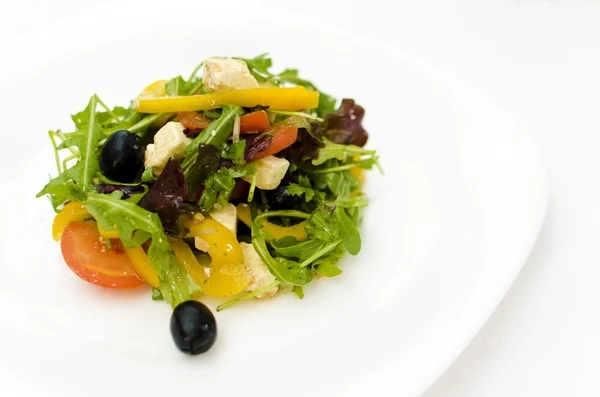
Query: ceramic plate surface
point(449, 225)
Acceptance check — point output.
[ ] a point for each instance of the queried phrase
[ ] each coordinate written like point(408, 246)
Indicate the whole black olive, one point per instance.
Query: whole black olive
point(193, 327)
point(122, 156)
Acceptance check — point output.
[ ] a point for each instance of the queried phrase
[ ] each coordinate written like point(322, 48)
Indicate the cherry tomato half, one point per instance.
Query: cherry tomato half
point(279, 138)
point(254, 123)
point(88, 256)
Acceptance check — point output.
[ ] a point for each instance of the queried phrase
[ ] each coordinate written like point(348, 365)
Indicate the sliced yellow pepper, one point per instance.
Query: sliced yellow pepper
point(156, 89)
point(358, 173)
point(110, 234)
point(277, 98)
point(72, 212)
point(142, 266)
point(278, 232)
point(187, 259)
point(228, 276)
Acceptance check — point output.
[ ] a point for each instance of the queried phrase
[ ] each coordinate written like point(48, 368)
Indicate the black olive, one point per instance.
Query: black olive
point(193, 327)
point(122, 156)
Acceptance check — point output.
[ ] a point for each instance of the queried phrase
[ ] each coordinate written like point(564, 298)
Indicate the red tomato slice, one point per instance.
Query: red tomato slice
point(86, 254)
point(255, 122)
point(193, 121)
point(280, 138)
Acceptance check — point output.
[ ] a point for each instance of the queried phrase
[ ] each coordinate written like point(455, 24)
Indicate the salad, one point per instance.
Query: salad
point(235, 183)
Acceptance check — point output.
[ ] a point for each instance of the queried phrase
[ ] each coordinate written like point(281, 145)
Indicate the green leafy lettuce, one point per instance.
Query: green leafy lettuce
point(304, 187)
point(86, 168)
point(259, 68)
point(135, 226)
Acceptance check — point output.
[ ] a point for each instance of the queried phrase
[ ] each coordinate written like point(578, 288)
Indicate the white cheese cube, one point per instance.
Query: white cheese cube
point(169, 142)
point(269, 172)
point(261, 276)
point(223, 74)
point(225, 216)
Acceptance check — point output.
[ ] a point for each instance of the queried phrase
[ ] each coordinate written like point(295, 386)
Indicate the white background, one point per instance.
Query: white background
point(540, 60)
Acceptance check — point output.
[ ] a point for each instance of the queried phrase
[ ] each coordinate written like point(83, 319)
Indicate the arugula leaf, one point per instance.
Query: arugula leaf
point(340, 152)
point(220, 184)
point(215, 134)
point(205, 164)
point(87, 116)
point(127, 122)
point(88, 166)
point(235, 152)
point(259, 66)
point(303, 250)
point(323, 223)
point(148, 175)
point(176, 86)
point(348, 232)
point(285, 270)
point(330, 223)
point(195, 169)
point(59, 188)
point(62, 191)
point(116, 118)
point(193, 287)
point(303, 187)
point(240, 171)
point(341, 184)
point(293, 189)
point(368, 163)
point(348, 202)
point(249, 295)
point(127, 190)
point(212, 114)
point(298, 291)
point(326, 104)
point(157, 295)
point(135, 226)
point(327, 265)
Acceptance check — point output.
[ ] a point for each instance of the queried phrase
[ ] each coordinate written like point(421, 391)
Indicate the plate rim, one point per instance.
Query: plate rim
point(438, 75)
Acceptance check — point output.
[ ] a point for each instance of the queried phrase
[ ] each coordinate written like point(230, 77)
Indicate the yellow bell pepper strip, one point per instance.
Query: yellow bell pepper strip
point(72, 212)
point(142, 266)
point(278, 232)
point(277, 98)
point(228, 275)
point(284, 271)
point(189, 262)
point(156, 89)
point(358, 173)
point(109, 234)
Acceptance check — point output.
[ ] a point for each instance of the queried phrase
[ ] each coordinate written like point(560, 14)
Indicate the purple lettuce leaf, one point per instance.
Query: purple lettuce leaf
point(257, 144)
point(128, 191)
point(345, 125)
point(166, 197)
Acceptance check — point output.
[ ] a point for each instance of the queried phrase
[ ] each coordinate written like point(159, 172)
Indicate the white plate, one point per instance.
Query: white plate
point(449, 225)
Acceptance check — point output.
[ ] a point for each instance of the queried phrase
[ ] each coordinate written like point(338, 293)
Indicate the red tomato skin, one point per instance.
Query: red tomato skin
point(86, 254)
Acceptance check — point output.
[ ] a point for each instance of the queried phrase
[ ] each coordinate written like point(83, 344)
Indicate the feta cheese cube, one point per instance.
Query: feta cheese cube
point(169, 142)
point(226, 216)
point(261, 276)
point(269, 172)
point(222, 74)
